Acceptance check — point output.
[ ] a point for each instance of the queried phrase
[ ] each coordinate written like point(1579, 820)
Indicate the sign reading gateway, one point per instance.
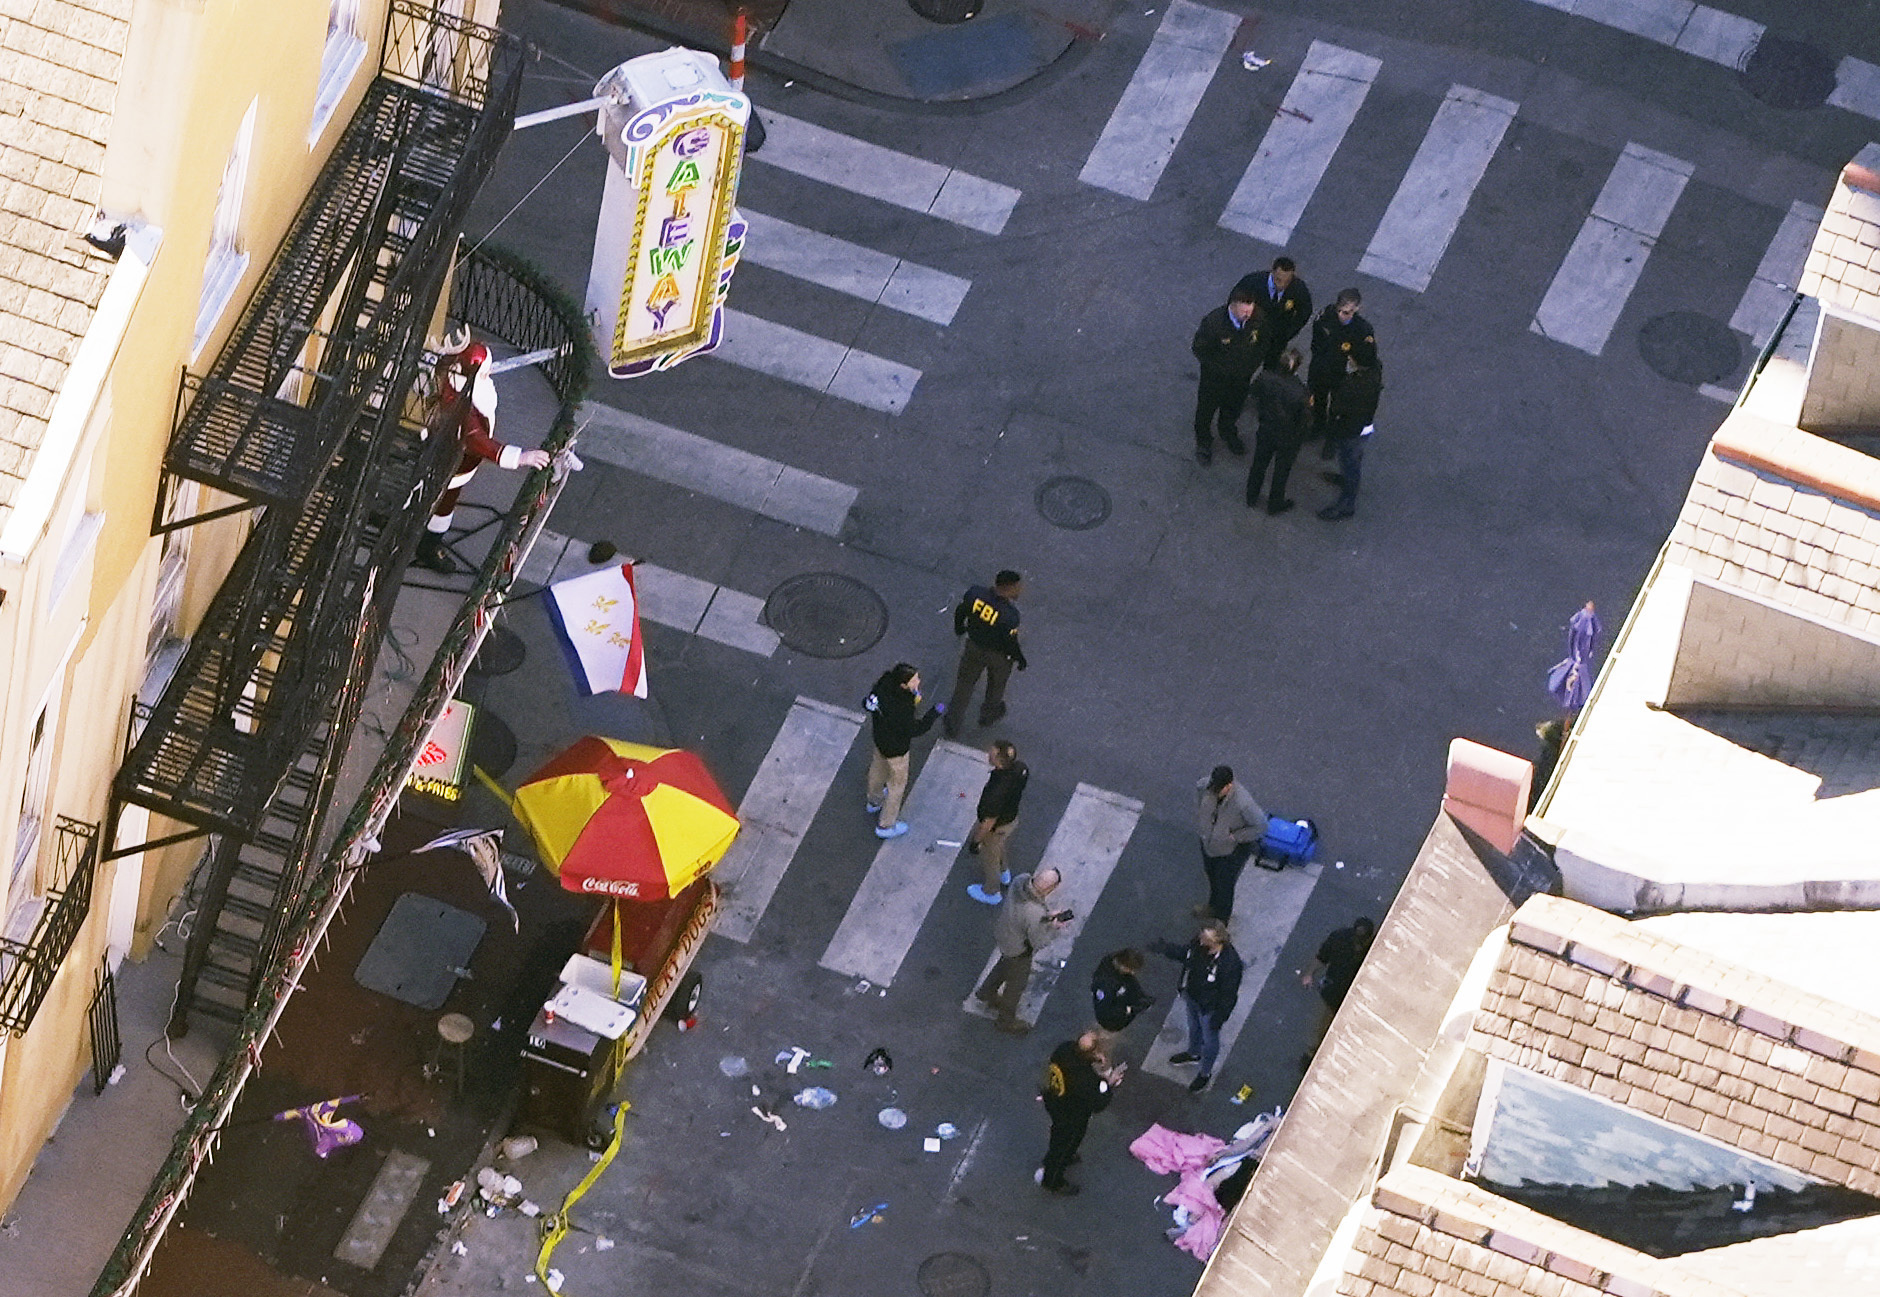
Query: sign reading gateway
point(668, 235)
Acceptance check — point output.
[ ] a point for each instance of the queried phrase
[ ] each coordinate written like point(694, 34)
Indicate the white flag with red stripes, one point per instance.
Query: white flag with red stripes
point(598, 619)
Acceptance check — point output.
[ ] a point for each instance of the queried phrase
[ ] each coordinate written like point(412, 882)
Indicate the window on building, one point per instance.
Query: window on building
point(345, 51)
point(227, 262)
point(35, 786)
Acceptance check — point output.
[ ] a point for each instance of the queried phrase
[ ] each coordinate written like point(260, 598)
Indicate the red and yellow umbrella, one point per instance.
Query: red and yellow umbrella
point(626, 820)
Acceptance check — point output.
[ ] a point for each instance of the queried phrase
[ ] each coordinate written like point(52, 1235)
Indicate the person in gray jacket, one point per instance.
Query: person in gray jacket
point(1026, 925)
point(1231, 824)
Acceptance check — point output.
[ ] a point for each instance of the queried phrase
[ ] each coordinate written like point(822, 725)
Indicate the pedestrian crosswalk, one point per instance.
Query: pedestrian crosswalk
point(910, 870)
point(828, 366)
point(1305, 137)
point(1298, 148)
point(802, 778)
point(1161, 97)
point(1604, 264)
point(1084, 849)
point(1268, 906)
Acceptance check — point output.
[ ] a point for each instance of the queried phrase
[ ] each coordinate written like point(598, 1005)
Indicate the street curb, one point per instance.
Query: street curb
point(1049, 75)
point(453, 1224)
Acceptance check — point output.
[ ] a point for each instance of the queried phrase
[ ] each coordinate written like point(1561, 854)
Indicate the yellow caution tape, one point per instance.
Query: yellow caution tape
point(555, 1228)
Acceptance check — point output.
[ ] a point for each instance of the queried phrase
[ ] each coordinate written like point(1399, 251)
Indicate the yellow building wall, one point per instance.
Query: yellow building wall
point(190, 73)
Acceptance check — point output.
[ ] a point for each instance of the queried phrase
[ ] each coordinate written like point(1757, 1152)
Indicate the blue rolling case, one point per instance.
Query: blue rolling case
point(1287, 842)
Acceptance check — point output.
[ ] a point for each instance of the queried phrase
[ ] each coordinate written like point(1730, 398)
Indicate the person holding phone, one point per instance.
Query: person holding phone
point(1026, 924)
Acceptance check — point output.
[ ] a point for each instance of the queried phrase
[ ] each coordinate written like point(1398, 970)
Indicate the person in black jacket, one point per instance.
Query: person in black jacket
point(1210, 987)
point(1078, 1083)
point(987, 623)
point(1335, 334)
point(1353, 411)
point(1279, 398)
point(993, 821)
point(1115, 993)
point(894, 707)
point(1227, 343)
point(1284, 303)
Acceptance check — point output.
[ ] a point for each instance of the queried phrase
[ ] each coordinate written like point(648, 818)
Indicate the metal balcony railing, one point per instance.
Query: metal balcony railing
point(28, 967)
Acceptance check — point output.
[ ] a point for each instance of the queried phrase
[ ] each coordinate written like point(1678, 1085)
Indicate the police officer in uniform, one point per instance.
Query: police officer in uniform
point(1338, 329)
point(1284, 302)
point(987, 622)
point(1228, 344)
point(1078, 1083)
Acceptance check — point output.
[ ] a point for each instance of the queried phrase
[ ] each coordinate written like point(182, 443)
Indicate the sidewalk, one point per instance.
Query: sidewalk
point(266, 1216)
point(883, 52)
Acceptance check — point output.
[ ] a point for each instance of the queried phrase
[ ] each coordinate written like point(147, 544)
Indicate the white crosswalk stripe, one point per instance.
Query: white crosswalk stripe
point(1269, 905)
point(876, 172)
point(816, 363)
point(1311, 123)
point(909, 871)
point(1767, 298)
point(686, 603)
point(1428, 205)
point(852, 269)
point(778, 808)
point(1084, 848)
point(1160, 99)
point(1603, 266)
point(696, 463)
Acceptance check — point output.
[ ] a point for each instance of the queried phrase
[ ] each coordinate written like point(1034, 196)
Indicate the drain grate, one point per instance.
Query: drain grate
point(1073, 503)
point(1686, 347)
point(1789, 74)
point(946, 11)
point(953, 1274)
point(826, 615)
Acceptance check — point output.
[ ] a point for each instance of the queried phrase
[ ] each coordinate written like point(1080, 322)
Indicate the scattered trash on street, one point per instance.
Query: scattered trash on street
point(734, 1065)
point(1253, 62)
point(765, 1114)
point(602, 1243)
point(517, 1147)
point(791, 1058)
point(1241, 1095)
point(457, 1248)
point(878, 1061)
point(816, 1097)
point(946, 1130)
point(931, 1143)
point(892, 1118)
point(867, 1214)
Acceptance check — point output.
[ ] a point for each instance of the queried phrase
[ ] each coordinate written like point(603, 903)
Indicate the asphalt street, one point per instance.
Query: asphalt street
point(1515, 474)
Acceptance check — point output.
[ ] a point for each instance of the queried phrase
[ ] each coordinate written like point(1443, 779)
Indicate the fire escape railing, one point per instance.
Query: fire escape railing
point(28, 967)
point(344, 477)
point(488, 294)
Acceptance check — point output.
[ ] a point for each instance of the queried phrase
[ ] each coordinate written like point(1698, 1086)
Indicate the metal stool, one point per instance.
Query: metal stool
point(453, 1034)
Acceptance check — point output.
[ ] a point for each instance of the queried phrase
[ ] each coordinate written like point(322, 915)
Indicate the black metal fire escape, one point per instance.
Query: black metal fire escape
point(312, 425)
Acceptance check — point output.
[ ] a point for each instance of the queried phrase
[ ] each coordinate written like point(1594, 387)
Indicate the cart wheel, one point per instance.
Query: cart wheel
point(685, 1000)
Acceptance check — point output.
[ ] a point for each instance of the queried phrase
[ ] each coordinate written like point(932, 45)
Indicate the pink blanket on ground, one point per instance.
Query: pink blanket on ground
point(1172, 1153)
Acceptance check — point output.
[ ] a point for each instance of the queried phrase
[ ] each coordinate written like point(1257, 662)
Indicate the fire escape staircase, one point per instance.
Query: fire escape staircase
point(312, 427)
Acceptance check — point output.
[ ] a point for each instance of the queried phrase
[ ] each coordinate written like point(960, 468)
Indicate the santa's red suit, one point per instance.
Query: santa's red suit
point(466, 367)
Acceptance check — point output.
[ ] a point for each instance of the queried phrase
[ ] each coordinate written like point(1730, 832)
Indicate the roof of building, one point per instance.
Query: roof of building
point(1703, 1043)
point(1843, 267)
point(1788, 516)
point(1426, 1233)
point(59, 68)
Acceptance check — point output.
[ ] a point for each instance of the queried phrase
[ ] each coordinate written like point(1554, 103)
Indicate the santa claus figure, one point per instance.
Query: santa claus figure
point(466, 404)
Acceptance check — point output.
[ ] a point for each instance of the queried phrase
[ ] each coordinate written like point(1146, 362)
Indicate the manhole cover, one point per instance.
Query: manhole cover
point(946, 11)
point(953, 1274)
point(826, 615)
point(1073, 503)
point(502, 651)
point(1789, 74)
point(1686, 347)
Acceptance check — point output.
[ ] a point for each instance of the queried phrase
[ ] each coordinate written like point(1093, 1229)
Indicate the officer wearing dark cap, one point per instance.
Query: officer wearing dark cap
point(987, 622)
point(1335, 333)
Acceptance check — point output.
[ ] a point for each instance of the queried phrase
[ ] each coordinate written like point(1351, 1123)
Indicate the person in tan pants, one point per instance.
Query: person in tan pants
point(893, 706)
